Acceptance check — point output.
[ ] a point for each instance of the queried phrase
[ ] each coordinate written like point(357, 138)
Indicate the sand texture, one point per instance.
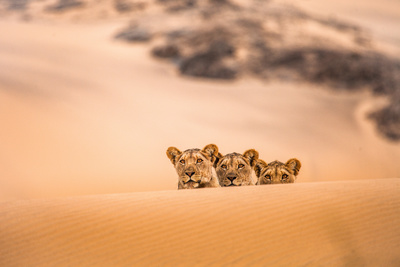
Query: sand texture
point(352, 223)
point(92, 93)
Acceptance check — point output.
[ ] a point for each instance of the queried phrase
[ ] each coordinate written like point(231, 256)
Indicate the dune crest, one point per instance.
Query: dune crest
point(352, 223)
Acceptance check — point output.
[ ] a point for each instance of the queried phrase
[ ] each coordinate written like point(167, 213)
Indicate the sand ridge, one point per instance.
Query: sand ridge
point(351, 223)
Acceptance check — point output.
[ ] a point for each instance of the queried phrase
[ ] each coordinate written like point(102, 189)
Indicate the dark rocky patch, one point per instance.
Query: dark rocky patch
point(124, 6)
point(64, 5)
point(342, 69)
point(18, 4)
point(166, 51)
point(207, 66)
point(388, 120)
point(178, 5)
point(210, 63)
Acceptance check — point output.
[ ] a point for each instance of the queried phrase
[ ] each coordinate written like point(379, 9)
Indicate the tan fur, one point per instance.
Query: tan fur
point(194, 166)
point(277, 172)
point(236, 169)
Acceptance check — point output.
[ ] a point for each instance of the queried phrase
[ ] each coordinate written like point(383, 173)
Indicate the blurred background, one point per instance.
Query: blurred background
point(93, 92)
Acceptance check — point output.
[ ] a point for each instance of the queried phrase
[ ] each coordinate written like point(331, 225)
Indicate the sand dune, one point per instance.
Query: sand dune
point(353, 223)
point(82, 113)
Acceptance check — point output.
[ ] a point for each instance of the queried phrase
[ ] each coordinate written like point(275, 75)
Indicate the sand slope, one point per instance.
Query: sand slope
point(309, 224)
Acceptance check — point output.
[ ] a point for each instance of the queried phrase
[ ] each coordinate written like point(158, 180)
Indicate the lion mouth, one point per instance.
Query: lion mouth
point(191, 184)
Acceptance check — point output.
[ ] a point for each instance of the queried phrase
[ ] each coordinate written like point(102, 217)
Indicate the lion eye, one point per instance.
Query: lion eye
point(268, 177)
point(182, 161)
point(223, 166)
point(285, 176)
point(241, 166)
point(199, 160)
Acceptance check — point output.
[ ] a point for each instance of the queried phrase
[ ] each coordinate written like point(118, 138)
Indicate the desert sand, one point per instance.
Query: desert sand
point(351, 223)
point(85, 121)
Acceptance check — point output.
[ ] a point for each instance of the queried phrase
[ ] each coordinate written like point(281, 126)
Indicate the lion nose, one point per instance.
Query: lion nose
point(231, 178)
point(190, 174)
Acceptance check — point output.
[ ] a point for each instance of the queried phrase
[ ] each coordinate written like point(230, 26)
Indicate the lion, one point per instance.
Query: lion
point(235, 169)
point(194, 166)
point(277, 172)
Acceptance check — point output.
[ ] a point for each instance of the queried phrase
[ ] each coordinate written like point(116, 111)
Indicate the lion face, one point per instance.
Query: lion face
point(194, 166)
point(277, 172)
point(235, 169)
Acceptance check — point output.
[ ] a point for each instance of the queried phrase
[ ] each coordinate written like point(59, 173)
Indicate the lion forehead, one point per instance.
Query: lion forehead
point(233, 159)
point(275, 167)
point(275, 164)
point(192, 154)
point(280, 167)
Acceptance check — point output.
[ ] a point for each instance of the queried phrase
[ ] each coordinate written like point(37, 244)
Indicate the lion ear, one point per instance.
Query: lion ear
point(211, 151)
point(294, 165)
point(217, 159)
point(252, 156)
point(258, 166)
point(173, 153)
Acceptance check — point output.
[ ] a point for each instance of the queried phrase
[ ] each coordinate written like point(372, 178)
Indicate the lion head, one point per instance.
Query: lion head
point(277, 172)
point(194, 166)
point(236, 169)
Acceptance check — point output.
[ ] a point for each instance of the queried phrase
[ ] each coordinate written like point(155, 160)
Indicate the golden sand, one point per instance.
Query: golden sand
point(311, 224)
